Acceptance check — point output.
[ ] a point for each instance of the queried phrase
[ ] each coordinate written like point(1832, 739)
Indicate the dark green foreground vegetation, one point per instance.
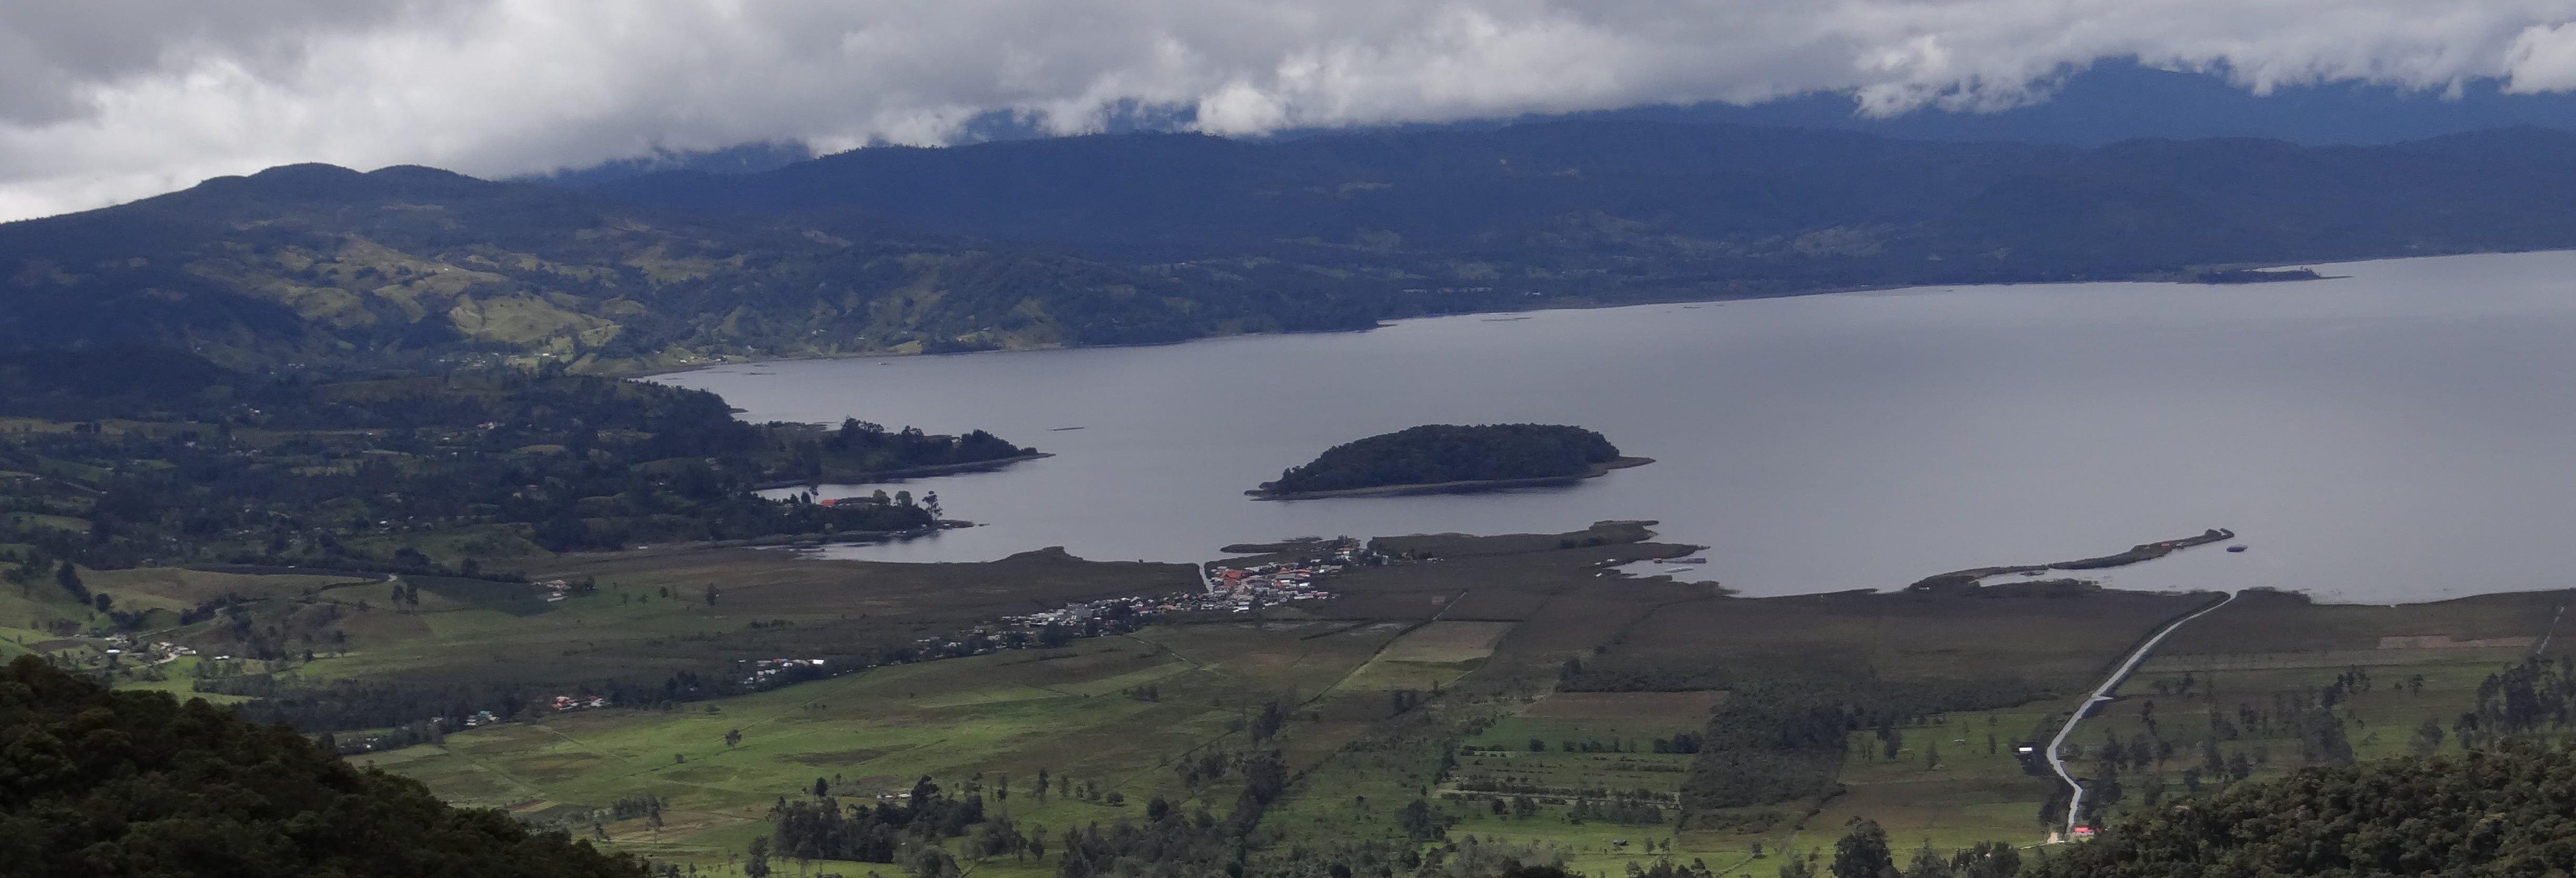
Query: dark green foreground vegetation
point(1444, 453)
point(95, 783)
point(2504, 811)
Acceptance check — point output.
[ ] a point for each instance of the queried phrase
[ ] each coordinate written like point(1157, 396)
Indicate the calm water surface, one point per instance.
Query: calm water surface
point(2406, 433)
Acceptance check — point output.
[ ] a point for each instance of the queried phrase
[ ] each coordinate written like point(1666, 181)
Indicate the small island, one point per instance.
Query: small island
point(1446, 458)
point(2256, 275)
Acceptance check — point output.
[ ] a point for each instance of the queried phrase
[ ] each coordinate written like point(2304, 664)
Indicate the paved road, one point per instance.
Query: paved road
point(2075, 805)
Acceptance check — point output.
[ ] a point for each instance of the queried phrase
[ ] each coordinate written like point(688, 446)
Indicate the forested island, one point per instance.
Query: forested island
point(1443, 458)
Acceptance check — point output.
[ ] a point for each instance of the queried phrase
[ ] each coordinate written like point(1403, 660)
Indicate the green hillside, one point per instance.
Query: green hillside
point(134, 783)
point(317, 265)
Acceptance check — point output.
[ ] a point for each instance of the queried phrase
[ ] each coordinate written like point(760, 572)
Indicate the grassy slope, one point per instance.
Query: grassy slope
point(1009, 714)
point(315, 264)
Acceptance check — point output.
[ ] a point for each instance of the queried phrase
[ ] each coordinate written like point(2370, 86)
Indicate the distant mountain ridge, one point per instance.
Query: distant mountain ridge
point(2120, 99)
point(1609, 210)
point(315, 265)
point(1160, 237)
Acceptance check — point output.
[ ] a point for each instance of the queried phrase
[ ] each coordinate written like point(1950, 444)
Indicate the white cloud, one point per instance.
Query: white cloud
point(2543, 58)
point(115, 99)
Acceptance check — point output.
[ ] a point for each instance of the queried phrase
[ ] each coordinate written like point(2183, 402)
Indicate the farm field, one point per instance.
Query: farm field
point(993, 722)
point(1507, 690)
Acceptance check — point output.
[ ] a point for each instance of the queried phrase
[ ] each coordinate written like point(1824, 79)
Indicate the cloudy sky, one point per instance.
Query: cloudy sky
point(109, 100)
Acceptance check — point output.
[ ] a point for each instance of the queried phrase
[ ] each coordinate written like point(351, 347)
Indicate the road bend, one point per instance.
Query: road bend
point(2075, 804)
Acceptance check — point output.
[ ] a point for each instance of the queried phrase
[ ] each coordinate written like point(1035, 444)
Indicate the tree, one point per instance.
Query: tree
point(1987, 859)
point(932, 862)
point(732, 737)
point(70, 580)
point(755, 860)
point(1863, 853)
point(711, 594)
point(2428, 738)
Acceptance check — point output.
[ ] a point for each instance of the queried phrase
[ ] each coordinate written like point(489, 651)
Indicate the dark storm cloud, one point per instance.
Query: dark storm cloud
point(114, 99)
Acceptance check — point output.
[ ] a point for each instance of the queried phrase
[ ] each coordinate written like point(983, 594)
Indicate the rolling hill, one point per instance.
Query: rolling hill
point(314, 265)
point(1160, 237)
point(1612, 210)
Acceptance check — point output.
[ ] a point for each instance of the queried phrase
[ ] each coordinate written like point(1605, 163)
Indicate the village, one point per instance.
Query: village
point(1228, 589)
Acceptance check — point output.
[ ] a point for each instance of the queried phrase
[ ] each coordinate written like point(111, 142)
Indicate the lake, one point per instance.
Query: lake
point(2407, 432)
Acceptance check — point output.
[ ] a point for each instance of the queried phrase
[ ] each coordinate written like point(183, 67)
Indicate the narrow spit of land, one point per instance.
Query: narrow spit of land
point(2135, 554)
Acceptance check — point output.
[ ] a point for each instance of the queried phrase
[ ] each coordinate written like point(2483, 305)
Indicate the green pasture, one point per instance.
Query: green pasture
point(993, 720)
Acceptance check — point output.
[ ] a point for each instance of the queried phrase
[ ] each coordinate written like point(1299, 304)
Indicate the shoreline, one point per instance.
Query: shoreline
point(2136, 554)
point(2180, 276)
point(1466, 487)
point(897, 475)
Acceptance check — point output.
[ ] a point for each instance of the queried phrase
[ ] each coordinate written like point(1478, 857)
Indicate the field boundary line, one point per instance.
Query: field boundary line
point(2550, 630)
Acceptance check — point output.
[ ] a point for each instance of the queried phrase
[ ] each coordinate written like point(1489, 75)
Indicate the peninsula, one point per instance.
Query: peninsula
point(1446, 458)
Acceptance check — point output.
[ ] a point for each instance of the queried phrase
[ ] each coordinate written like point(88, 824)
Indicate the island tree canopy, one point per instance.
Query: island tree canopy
point(1437, 453)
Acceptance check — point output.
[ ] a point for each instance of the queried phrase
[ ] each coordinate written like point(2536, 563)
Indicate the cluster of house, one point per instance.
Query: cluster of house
point(769, 670)
point(1228, 589)
point(1243, 589)
point(161, 652)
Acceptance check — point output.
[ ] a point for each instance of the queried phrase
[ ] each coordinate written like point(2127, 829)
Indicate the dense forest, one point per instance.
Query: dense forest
point(157, 457)
point(2499, 811)
point(1438, 453)
point(100, 783)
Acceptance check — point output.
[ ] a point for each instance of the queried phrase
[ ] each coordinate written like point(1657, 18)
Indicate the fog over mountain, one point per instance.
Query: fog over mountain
point(116, 100)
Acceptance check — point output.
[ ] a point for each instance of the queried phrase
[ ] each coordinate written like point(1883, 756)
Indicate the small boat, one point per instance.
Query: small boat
point(1683, 561)
point(2236, 548)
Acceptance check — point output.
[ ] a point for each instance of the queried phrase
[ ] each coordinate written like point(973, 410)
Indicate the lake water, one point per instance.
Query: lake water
point(2405, 433)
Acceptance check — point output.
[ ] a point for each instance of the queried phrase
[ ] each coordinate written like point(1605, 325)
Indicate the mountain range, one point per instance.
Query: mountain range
point(1153, 237)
